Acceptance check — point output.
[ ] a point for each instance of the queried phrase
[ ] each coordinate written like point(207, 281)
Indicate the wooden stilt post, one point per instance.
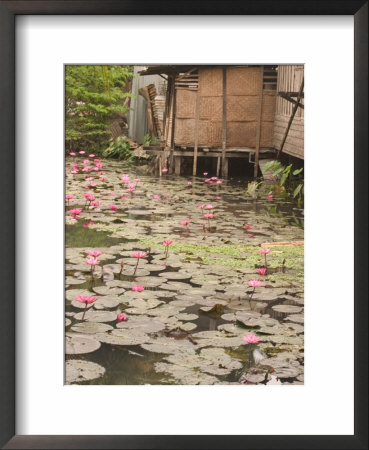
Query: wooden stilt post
point(197, 124)
point(224, 124)
point(218, 166)
point(295, 107)
point(171, 158)
point(258, 126)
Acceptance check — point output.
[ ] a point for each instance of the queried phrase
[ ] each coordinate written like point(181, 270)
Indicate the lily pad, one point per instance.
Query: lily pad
point(91, 327)
point(97, 316)
point(287, 309)
point(78, 345)
point(77, 371)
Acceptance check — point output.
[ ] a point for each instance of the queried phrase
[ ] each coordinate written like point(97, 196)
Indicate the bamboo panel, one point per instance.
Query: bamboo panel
point(185, 104)
point(242, 108)
point(241, 134)
point(266, 136)
point(211, 108)
point(210, 133)
point(268, 107)
point(184, 131)
point(210, 82)
point(243, 80)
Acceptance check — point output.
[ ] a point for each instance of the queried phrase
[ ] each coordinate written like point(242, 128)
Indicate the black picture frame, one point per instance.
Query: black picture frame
point(8, 12)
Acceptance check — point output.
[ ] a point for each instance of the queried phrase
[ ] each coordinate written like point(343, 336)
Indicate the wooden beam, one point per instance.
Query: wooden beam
point(224, 124)
point(197, 124)
point(259, 122)
point(290, 99)
point(291, 118)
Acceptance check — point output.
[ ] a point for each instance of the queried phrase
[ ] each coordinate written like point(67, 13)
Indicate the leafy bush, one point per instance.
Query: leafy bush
point(119, 149)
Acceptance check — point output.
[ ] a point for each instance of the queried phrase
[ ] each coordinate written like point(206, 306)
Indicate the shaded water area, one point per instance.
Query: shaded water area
point(187, 325)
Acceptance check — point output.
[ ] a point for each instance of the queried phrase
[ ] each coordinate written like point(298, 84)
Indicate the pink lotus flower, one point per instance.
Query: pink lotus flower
point(138, 288)
point(102, 179)
point(94, 204)
point(93, 184)
point(137, 180)
point(121, 317)
point(264, 251)
point(86, 299)
point(124, 196)
point(218, 198)
point(82, 152)
point(205, 173)
point(247, 226)
point(131, 189)
point(113, 208)
point(72, 154)
point(69, 197)
point(209, 207)
point(185, 222)
point(261, 270)
point(165, 170)
point(254, 283)
point(189, 183)
point(89, 197)
point(156, 197)
point(168, 195)
point(96, 160)
point(98, 165)
point(270, 196)
point(167, 243)
point(86, 161)
point(214, 178)
point(74, 171)
point(101, 172)
point(92, 262)
point(75, 211)
point(89, 179)
point(208, 216)
point(201, 206)
point(91, 155)
point(208, 180)
point(86, 169)
point(88, 223)
point(219, 182)
point(138, 255)
point(94, 253)
point(251, 339)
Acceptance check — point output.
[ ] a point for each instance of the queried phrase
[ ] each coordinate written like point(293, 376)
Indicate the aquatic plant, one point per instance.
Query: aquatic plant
point(113, 208)
point(166, 244)
point(251, 339)
point(254, 284)
point(69, 197)
point(138, 256)
point(94, 253)
point(121, 317)
point(92, 262)
point(261, 270)
point(247, 227)
point(208, 216)
point(87, 300)
point(265, 251)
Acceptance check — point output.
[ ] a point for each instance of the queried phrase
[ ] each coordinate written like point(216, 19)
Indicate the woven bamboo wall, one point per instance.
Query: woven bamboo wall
point(243, 85)
point(289, 80)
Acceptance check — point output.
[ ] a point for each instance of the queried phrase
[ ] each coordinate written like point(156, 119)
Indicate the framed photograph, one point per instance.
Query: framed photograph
point(184, 245)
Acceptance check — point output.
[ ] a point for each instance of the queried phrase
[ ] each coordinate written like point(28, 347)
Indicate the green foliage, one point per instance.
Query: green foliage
point(119, 149)
point(252, 189)
point(94, 95)
point(288, 178)
point(148, 140)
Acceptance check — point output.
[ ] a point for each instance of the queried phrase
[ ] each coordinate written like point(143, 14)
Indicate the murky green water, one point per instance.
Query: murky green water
point(186, 327)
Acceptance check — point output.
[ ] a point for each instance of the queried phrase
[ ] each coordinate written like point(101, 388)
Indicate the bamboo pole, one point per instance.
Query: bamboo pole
point(258, 128)
point(224, 123)
point(197, 119)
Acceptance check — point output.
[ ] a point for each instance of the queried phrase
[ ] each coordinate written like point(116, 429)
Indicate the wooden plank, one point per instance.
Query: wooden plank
point(258, 127)
point(224, 125)
point(177, 165)
point(218, 166)
point(197, 120)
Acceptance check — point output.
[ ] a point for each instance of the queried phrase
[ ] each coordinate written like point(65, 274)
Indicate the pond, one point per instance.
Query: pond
point(139, 311)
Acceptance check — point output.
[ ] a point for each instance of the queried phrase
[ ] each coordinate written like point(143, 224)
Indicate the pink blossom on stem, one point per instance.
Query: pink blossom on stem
point(185, 222)
point(94, 253)
point(262, 270)
point(165, 170)
point(251, 339)
point(247, 226)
